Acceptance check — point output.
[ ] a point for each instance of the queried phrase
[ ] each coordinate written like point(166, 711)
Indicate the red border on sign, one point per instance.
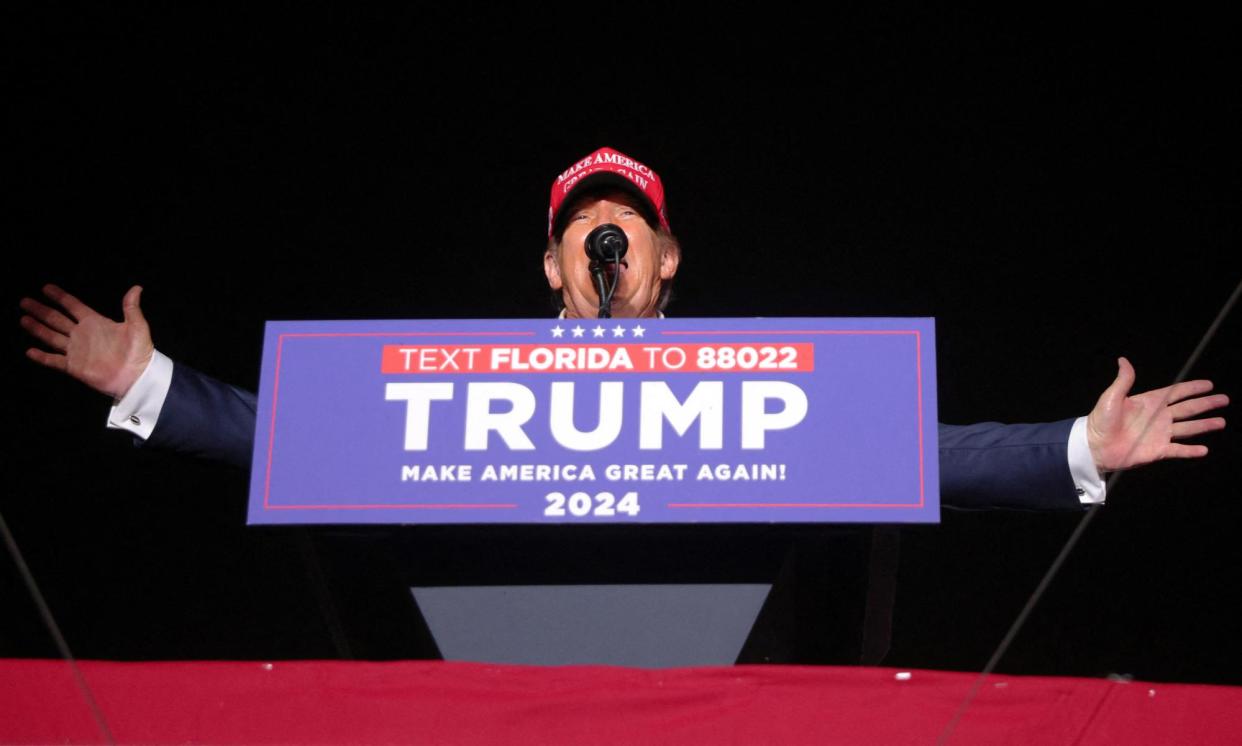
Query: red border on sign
point(918, 342)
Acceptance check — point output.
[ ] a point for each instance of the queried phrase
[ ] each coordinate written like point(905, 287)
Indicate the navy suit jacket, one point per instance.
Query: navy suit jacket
point(984, 465)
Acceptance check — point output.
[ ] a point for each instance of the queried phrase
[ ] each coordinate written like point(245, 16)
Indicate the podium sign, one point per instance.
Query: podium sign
point(588, 421)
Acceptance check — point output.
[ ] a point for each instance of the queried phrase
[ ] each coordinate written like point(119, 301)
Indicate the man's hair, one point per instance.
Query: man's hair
point(665, 241)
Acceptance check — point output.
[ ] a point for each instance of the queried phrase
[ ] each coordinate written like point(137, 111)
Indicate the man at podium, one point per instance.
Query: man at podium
point(1042, 466)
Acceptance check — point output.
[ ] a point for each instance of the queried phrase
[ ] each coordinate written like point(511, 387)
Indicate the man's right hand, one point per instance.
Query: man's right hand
point(105, 355)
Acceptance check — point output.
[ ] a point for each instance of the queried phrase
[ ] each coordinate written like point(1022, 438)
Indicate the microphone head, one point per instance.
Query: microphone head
point(607, 243)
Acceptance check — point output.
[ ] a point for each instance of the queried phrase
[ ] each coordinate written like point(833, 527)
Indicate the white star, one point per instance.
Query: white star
point(598, 331)
point(637, 331)
point(618, 331)
point(557, 331)
point(578, 331)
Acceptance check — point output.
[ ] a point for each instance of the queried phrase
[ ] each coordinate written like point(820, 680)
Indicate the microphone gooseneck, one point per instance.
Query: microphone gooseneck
point(606, 245)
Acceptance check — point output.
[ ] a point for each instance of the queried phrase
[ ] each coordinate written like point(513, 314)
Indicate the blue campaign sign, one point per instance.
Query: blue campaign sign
point(609, 420)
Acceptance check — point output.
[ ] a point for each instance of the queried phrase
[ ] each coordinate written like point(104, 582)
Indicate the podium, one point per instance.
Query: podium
point(657, 492)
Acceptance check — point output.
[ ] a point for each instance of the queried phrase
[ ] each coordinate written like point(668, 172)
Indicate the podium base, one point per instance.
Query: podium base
point(638, 625)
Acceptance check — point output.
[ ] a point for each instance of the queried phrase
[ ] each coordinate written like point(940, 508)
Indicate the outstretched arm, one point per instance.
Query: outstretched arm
point(1126, 431)
point(106, 355)
point(192, 413)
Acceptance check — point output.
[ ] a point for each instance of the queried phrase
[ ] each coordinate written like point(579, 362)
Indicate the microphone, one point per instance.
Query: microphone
point(607, 243)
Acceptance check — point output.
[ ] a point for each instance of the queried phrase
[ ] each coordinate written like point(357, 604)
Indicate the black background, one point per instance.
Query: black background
point(1056, 190)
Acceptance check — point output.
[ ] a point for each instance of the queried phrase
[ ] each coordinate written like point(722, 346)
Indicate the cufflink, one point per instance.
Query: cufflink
point(134, 419)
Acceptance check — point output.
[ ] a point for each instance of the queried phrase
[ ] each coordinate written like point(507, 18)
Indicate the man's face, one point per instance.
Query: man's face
point(644, 270)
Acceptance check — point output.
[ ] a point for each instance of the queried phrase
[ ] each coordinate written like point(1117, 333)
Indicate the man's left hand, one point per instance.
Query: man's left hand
point(1127, 431)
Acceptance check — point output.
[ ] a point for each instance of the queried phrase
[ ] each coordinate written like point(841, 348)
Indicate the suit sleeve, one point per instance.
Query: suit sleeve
point(993, 465)
point(207, 418)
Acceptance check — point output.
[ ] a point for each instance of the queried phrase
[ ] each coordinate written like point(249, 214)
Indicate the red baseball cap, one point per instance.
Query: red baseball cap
point(608, 166)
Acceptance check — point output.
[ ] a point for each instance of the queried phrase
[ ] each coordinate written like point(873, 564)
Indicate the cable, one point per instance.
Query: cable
point(54, 629)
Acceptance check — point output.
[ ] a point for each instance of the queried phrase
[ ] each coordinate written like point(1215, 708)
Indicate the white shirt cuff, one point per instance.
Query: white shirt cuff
point(1087, 479)
point(139, 409)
